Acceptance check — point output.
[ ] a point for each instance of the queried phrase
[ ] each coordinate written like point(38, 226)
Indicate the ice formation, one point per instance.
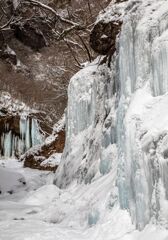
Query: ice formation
point(14, 144)
point(128, 123)
point(143, 78)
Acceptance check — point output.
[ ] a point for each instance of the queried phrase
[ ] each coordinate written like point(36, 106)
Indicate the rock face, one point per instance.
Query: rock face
point(30, 33)
point(103, 37)
point(7, 54)
point(107, 28)
point(5, 36)
point(11, 122)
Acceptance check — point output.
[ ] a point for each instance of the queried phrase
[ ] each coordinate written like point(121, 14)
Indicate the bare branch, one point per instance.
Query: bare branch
point(39, 4)
point(3, 10)
point(7, 23)
point(68, 30)
point(73, 54)
point(85, 46)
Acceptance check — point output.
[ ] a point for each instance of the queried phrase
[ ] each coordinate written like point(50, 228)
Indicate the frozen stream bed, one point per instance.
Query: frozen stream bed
point(38, 210)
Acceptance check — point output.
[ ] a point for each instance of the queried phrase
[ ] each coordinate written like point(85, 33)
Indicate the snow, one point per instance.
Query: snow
point(114, 12)
point(142, 112)
point(80, 212)
point(16, 3)
point(13, 105)
point(16, 178)
point(44, 195)
point(53, 160)
point(112, 180)
point(9, 180)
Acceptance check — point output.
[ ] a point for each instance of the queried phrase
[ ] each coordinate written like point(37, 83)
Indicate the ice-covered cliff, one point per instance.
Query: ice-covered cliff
point(117, 117)
point(19, 127)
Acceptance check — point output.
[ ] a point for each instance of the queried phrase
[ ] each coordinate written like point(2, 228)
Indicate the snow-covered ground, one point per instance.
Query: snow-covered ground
point(39, 210)
point(116, 154)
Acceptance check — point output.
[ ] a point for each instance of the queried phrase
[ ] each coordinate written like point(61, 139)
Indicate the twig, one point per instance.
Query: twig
point(85, 46)
point(76, 60)
point(7, 23)
point(39, 4)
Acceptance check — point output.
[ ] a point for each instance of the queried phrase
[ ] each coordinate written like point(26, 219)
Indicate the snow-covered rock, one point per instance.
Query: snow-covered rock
point(46, 156)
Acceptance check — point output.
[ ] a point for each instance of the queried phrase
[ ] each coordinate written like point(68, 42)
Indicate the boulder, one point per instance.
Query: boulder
point(35, 157)
point(103, 36)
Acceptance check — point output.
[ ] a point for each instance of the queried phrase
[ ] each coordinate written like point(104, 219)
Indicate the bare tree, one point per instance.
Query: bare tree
point(56, 30)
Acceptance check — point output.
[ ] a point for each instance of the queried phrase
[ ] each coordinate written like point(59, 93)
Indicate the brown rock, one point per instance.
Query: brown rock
point(30, 33)
point(34, 158)
point(103, 36)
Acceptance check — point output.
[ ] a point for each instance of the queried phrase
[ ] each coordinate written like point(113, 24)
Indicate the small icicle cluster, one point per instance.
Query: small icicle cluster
point(13, 144)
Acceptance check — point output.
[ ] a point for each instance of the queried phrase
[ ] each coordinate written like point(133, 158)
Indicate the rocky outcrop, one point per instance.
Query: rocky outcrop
point(107, 28)
point(7, 54)
point(35, 158)
point(5, 36)
point(10, 122)
point(103, 36)
point(30, 33)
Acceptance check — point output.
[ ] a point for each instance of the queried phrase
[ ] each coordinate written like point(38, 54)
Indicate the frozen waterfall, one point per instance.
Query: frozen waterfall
point(143, 75)
point(127, 127)
point(19, 137)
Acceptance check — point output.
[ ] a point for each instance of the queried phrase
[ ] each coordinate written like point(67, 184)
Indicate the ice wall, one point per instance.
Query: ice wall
point(131, 123)
point(15, 142)
point(143, 78)
point(86, 137)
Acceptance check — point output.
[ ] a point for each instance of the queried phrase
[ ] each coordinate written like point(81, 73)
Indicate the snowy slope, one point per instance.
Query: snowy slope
point(81, 212)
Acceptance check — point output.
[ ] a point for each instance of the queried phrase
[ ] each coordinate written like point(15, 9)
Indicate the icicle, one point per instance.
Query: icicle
point(36, 136)
point(13, 145)
point(20, 147)
point(7, 144)
point(93, 217)
point(27, 137)
point(22, 127)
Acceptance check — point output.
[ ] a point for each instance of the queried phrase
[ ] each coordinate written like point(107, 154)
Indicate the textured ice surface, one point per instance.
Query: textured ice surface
point(15, 145)
point(90, 100)
point(143, 74)
point(139, 129)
